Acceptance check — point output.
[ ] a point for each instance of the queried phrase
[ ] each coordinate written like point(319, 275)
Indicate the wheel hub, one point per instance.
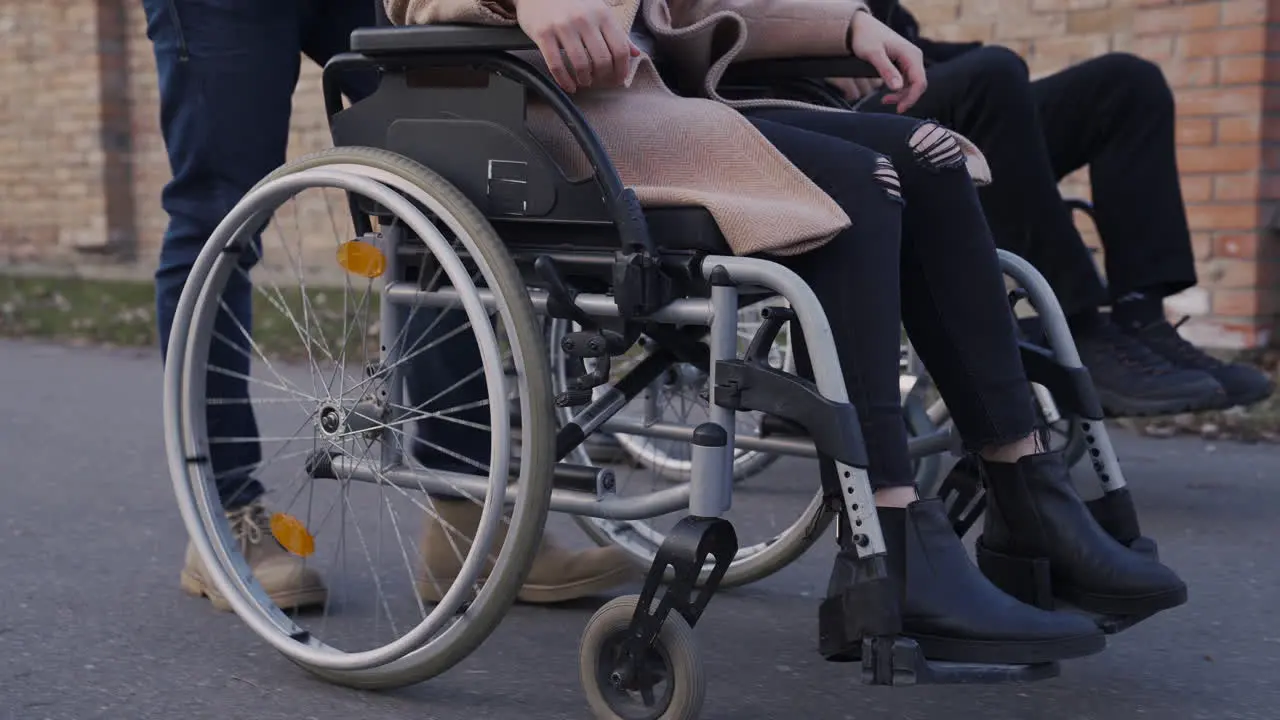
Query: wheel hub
point(366, 416)
point(330, 419)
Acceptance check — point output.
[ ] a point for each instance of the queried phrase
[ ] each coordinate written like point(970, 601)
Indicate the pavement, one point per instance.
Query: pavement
point(92, 624)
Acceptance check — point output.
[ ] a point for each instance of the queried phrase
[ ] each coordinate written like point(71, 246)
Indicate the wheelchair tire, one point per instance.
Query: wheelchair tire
point(464, 617)
point(674, 651)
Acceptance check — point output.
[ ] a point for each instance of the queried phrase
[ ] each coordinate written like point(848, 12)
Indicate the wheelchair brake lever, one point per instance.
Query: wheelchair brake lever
point(774, 318)
point(560, 299)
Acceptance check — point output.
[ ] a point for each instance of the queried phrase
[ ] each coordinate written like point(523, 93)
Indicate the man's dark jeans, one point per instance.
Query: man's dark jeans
point(1114, 114)
point(227, 71)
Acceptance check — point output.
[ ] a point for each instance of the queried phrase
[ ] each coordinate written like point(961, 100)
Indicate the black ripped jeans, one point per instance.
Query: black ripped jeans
point(918, 254)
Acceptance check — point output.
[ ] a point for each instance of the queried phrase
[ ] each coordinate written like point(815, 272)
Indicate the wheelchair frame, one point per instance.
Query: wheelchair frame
point(651, 288)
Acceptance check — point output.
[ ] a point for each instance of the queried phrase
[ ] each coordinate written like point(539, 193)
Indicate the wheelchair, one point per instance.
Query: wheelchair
point(457, 212)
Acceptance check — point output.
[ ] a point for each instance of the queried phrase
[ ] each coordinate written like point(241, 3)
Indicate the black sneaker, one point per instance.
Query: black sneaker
point(1134, 381)
point(1243, 384)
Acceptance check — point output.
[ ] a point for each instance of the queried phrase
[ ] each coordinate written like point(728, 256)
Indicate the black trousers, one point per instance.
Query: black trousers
point(1114, 114)
point(918, 254)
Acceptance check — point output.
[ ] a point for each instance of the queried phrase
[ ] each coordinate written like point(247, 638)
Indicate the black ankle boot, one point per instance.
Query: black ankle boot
point(947, 606)
point(1041, 543)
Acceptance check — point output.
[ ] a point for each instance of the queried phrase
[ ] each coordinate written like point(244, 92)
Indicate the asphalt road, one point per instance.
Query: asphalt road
point(92, 624)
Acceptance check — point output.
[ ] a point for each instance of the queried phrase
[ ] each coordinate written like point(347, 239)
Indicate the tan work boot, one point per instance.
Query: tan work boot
point(557, 575)
point(286, 578)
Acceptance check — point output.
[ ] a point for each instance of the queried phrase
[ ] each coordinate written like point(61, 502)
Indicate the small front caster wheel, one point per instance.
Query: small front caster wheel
point(670, 684)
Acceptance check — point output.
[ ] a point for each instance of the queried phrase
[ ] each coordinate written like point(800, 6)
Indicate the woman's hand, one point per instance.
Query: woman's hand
point(855, 89)
point(582, 41)
point(900, 64)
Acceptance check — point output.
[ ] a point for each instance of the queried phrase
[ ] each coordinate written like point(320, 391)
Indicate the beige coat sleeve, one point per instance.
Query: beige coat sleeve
point(779, 28)
point(471, 12)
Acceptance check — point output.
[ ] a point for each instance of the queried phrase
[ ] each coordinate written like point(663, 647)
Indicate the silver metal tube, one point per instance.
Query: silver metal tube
point(392, 326)
point(712, 477)
point(1101, 452)
point(1048, 407)
point(935, 442)
point(817, 329)
point(825, 361)
point(680, 312)
point(436, 482)
point(798, 447)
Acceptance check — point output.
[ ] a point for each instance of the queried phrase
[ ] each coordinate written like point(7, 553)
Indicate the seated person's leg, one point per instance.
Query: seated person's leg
point(1115, 114)
point(954, 309)
point(446, 388)
point(948, 606)
point(986, 96)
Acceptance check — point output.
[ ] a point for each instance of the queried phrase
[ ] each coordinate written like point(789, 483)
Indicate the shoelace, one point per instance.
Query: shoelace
point(1172, 343)
point(247, 524)
point(1132, 353)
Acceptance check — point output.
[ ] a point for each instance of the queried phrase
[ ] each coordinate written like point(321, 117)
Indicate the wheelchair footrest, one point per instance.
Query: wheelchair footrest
point(899, 661)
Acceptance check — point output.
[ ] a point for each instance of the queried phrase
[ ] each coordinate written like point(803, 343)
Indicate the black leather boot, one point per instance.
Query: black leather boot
point(946, 605)
point(1041, 543)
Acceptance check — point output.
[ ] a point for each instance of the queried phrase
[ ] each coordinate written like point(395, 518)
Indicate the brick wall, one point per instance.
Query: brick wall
point(82, 162)
point(1221, 58)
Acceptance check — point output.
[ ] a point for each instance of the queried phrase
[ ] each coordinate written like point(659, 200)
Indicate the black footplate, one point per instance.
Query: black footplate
point(862, 624)
point(899, 661)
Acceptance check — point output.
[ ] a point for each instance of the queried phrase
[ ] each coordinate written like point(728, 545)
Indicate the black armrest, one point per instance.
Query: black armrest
point(420, 39)
point(758, 72)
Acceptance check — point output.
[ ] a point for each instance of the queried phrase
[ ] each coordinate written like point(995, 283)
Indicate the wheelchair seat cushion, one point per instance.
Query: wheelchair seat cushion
point(686, 228)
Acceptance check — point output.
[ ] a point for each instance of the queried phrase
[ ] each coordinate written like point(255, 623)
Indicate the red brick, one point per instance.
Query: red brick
point(1197, 188)
point(1215, 43)
point(1072, 45)
point(1229, 274)
point(930, 14)
point(1241, 69)
point(1154, 48)
point(1236, 245)
point(1238, 303)
point(1195, 131)
point(1220, 101)
point(1189, 73)
point(1244, 12)
point(1049, 6)
point(1175, 19)
point(1030, 27)
point(1243, 129)
point(1223, 216)
point(1101, 20)
point(1235, 188)
point(1201, 245)
point(964, 31)
point(1232, 158)
point(993, 8)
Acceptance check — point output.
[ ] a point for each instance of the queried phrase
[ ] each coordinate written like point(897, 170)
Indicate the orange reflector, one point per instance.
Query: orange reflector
point(292, 534)
point(361, 258)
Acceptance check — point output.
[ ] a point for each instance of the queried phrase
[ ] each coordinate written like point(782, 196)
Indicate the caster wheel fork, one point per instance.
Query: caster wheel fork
point(638, 659)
